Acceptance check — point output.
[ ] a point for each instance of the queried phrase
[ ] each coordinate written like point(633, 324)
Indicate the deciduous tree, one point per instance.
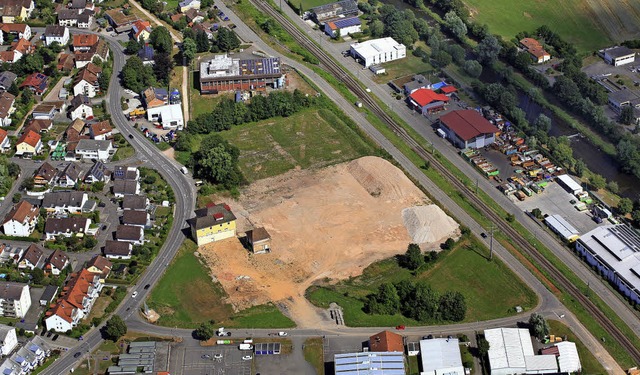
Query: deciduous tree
point(115, 328)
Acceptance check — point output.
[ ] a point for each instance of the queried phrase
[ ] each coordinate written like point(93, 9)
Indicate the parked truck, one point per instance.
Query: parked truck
point(245, 347)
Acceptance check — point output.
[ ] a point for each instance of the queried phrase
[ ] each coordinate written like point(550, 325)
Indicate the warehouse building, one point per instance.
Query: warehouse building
point(618, 55)
point(511, 352)
point(344, 8)
point(223, 73)
point(569, 184)
point(615, 252)
point(170, 116)
point(441, 357)
point(562, 228)
point(342, 27)
point(387, 363)
point(377, 51)
point(468, 129)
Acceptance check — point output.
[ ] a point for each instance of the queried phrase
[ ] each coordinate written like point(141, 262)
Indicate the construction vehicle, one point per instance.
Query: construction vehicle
point(136, 113)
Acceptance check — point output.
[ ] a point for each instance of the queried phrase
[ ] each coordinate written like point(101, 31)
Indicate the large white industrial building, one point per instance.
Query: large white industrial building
point(441, 357)
point(378, 51)
point(615, 251)
point(170, 116)
point(511, 352)
point(569, 184)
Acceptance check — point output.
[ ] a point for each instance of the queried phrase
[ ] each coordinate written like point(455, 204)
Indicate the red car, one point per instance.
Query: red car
point(400, 328)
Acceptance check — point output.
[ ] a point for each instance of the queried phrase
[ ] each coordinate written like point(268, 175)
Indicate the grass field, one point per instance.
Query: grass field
point(399, 68)
point(465, 269)
point(311, 138)
point(313, 353)
point(186, 296)
point(571, 19)
point(590, 364)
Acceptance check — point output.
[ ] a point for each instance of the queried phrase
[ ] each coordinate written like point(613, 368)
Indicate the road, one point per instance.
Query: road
point(185, 194)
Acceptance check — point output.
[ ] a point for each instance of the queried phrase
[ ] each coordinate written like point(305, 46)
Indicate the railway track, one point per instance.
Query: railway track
point(562, 281)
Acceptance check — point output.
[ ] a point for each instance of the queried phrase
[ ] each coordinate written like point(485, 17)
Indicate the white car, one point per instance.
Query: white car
point(282, 334)
point(134, 295)
point(218, 356)
point(247, 358)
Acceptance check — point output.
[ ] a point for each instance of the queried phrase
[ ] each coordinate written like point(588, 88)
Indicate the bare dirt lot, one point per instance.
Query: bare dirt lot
point(328, 223)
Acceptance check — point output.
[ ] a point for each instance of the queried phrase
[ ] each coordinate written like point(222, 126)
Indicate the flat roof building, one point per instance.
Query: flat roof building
point(569, 184)
point(618, 55)
point(441, 357)
point(511, 352)
point(224, 73)
point(377, 51)
point(370, 363)
point(170, 116)
point(468, 129)
point(344, 8)
point(615, 251)
point(562, 227)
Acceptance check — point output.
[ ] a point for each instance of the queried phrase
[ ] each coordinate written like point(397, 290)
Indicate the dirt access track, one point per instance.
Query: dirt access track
point(327, 223)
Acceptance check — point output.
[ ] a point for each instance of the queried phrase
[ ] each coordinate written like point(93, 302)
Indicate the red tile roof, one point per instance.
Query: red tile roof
point(30, 137)
point(468, 124)
point(3, 135)
point(84, 40)
point(22, 211)
point(448, 89)
point(23, 46)
point(426, 96)
point(386, 342)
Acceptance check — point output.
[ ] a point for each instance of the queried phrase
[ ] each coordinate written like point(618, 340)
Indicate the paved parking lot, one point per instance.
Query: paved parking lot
point(206, 361)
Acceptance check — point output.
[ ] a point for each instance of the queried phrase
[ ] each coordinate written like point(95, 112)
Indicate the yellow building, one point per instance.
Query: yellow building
point(213, 223)
point(13, 11)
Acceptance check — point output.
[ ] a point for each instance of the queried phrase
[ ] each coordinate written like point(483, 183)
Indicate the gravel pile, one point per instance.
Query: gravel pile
point(428, 224)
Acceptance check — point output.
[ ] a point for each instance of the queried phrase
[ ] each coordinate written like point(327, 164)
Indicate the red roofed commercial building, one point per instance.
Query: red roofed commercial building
point(386, 341)
point(75, 302)
point(428, 101)
point(468, 129)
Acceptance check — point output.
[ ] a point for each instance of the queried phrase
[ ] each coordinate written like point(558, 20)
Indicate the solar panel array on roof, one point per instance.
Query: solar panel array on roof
point(628, 236)
point(270, 65)
point(370, 363)
point(267, 348)
point(346, 22)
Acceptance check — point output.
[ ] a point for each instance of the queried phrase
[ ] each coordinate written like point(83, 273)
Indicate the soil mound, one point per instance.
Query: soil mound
point(383, 180)
point(428, 224)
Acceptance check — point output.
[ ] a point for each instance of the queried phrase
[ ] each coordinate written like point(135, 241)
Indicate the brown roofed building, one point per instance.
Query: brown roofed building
point(117, 250)
point(259, 240)
point(65, 62)
point(66, 226)
point(32, 258)
point(40, 125)
point(130, 233)
point(135, 202)
point(101, 130)
point(101, 266)
point(386, 341)
point(137, 218)
point(468, 129)
point(75, 301)
point(84, 42)
point(44, 175)
point(21, 220)
point(57, 261)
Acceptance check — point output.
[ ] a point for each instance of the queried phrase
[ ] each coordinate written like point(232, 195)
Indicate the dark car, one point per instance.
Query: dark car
point(78, 354)
point(483, 234)
point(147, 286)
point(130, 136)
point(55, 337)
point(104, 227)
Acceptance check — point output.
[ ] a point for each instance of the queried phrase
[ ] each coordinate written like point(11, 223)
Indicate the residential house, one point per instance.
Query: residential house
point(75, 131)
point(81, 108)
point(29, 144)
point(66, 226)
point(117, 249)
point(27, 358)
point(82, 4)
point(427, 101)
point(259, 240)
point(44, 111)
point(56, 34)
point(204, 27)
point(122, 188)
point(7, 108)
point(16, 30)
point(84, 42)
point(101, 130)
point(97, 173)
point(70, 175)
point(21, 220)
point(5, 142)
point(135, 202)
point(32, 258)
point(9, 56)
point(8, 339)
point(15, 299)
point(129, 233)
point(23, 46)
point(13, 9)
point(340, 27)
point(146, 54)
point(82, 19)
point(136, 218)
point(57, 262)
point(94, 149)
point(100, 51)
point(125, 173)
point(536, 50)
point(40, 125)
point(86, 81)
point(66, 62)
point(101, 266)
point(45, 175)
point(65, 201)
point(75, 301)
point(50, 292)
point(339, 9)
point(36, 82)
point(140, 30)
point(213, 223)
point(155, 97)
point(194, 16)
point(7, 78)
point(188, 4)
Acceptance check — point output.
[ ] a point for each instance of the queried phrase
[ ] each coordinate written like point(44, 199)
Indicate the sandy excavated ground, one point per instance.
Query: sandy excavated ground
point(329, 223)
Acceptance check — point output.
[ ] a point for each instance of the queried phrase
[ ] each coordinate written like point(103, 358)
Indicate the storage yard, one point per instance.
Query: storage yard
point(328, 223)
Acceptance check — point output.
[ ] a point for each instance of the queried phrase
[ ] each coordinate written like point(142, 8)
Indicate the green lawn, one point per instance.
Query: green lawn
point(311, 138)
point(404, 67)
point(464, 269)
point(186, 296)
point(308, 4)
point(569, 18)
point(313, 353)
point(590, 365)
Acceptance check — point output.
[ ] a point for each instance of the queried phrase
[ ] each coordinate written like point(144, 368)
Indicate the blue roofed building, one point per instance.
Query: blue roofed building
point(370, 363)
point(342, 27)
point(146, 54)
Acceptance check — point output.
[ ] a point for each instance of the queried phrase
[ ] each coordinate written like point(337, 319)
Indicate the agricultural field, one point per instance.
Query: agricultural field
point(457, 270)
point(589, 24)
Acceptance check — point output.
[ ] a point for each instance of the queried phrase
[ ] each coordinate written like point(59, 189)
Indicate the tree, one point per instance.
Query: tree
point(452, 306)
point(597, 182)
point(413, 258)
point(483, 346)
point(457, 53)
point(376, 28)
point(37, 275)
point(162, 67)
point(89, 242)
point(539, 326)
point(160, 39)
point(635, 215)
point(132, 47)
point(16, 198)
point(626, 115)
point(613, 187)
point(115, 328)
point(455, 25)
point(189, 49)
point(14, 89)
point(422, 304)
point(202, 41)
point(579, 167)
point(385, 301)
point(136, 76)
point(473, 68)
point(448, 244)
point(226, 40)
point(26, 97)
point(542, 123)
point(488, 49)
point(442, 58)
point(217, 162)
point(625, 205)
point(204, 332)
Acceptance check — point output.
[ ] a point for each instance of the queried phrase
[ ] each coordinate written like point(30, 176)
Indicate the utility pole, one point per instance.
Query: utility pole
point(491, 244)
point(476, 186)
